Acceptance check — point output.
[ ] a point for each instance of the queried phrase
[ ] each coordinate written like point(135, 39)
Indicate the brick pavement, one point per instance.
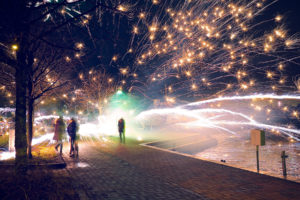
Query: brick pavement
point(132, 171)
point(99, 175)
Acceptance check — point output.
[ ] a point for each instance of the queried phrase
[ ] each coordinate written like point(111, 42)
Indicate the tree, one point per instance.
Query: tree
point(49, 74)
point(97, 87)
point(20, 19)
point(7, 85)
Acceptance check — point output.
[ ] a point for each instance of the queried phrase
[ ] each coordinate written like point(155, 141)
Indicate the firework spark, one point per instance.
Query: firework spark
point(6, 110)
point(189, 115)
point(211, 118)
point(248, 97)
point(204, 48)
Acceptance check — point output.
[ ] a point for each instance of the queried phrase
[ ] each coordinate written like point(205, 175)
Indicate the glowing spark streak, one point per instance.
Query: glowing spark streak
point(6, 110)
point(255, 96)
point(166, 111)
point(43, 138)
point(224, 111)
point(70, 14)
point(82, 164)
point(47, 17)
point(206, 124)
point(200, 120)
point(264, 126)
point(188, 113)
point(38, 119)
point(212, 122)
point(7, 155)
point(35, 141)
point(89, 129)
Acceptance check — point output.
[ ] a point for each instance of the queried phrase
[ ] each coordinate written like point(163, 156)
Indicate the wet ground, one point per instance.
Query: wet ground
point(110, 170)
point(238, 152)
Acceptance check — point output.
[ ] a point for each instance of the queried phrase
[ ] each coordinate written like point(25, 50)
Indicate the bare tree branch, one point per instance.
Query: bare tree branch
point(78, 16)
point(4, 58)
point(49, 89)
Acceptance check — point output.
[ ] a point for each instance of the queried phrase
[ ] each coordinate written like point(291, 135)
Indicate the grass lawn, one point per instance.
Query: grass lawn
point(37, 184)
point(41, 154)
point(3, 140)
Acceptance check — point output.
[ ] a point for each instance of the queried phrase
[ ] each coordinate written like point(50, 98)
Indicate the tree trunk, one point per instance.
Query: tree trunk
point(30, 111)
point(21, 33)
point(20, 120)
point(100, 109)
point(30, 114)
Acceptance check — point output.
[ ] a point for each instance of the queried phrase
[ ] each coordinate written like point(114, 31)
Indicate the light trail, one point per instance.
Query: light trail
point(41, 139)
point(216, 118)
point(5, 155)
point(41, 118)
point(212, 47)
point(6, 110)
point(248, 97)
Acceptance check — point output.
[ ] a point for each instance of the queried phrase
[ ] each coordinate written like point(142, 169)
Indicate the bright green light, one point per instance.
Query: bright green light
point(119, 92)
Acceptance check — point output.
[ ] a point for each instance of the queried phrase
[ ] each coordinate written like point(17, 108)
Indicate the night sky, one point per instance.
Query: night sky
point(112, 36)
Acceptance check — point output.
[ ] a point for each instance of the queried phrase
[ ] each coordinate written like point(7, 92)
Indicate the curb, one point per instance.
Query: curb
point(33, 166)
point(55, 165)
point(147, 144)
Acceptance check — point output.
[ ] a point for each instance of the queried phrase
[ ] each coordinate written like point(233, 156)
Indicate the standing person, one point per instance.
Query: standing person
point(59, 133)
point(72, 129)
point(121, 126)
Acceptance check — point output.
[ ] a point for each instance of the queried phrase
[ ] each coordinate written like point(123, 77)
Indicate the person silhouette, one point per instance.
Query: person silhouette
point(121, 127)
point(59, 133)
point(72, 129)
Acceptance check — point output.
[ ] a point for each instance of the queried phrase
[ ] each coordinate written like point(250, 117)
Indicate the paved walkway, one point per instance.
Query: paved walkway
point(107, 170)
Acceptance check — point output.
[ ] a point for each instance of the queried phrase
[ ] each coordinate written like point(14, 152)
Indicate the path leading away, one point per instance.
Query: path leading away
point(108, 170)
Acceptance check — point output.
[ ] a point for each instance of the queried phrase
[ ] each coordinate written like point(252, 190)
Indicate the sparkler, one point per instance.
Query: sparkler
point(211, 118)
point(248, 97)
point(212, 47)
point(217, 48)
point(6, 110)
point(218, 41)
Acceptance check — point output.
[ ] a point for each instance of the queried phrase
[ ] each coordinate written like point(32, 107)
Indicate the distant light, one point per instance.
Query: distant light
point(122, 8)
point(119, 92)
point(131, 112)
point(139, 138)
point(142, 15)
point(79, 45)
point(155, 2)
point(68, 59)
point(7, 155)
point(278, 18)
point(114, 58)
point(15, 47)
point(82, 164)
